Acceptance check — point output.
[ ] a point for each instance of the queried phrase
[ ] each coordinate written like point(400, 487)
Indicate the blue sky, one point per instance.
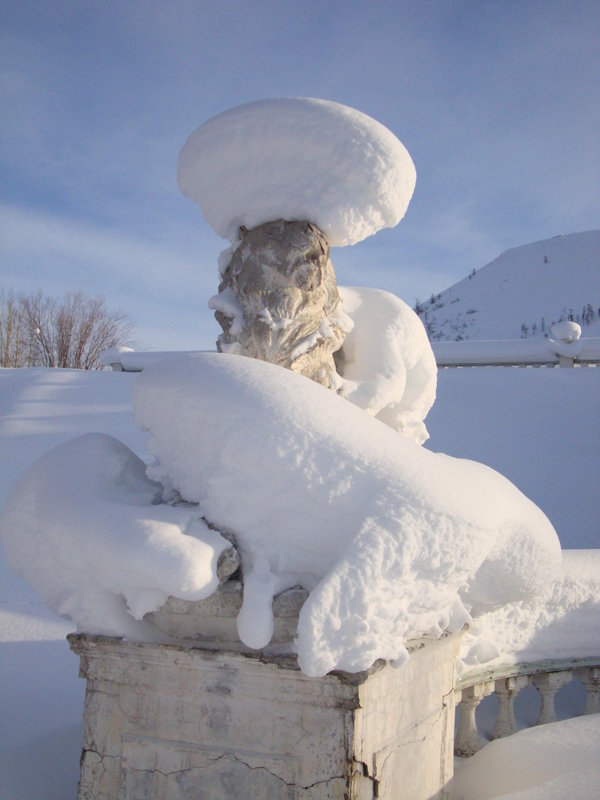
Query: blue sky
point(497, 102)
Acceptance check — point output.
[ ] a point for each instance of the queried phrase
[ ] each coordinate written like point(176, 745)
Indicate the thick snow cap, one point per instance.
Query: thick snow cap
point(386, 361)
point(297, 158)
point(391, 540)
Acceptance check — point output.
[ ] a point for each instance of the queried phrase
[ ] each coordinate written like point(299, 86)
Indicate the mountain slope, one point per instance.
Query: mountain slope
point(522, 292)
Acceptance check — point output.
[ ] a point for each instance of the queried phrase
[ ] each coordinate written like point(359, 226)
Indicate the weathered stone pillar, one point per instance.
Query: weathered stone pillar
point(590, 677)
point(468, 740)
point(192, 719)
point(507, 690)
point(548, 684)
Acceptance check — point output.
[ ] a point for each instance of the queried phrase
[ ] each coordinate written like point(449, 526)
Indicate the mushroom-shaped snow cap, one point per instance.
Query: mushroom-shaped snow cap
point(297, 159)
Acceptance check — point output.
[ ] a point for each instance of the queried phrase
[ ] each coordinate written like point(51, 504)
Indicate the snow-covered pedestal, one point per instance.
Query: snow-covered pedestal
point(191, 719)
point(260, 473)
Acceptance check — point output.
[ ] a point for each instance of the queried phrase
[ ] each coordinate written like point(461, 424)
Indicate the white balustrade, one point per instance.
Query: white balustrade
point(507, 690)
point(506, 682)
point(590, 677)
point(548, 685)
point(467, 740)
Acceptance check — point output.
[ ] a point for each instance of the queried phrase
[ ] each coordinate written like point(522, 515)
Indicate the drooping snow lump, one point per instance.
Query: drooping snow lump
point(297, 159)
point(85, 528)
point(386, 361)
point(392, 540)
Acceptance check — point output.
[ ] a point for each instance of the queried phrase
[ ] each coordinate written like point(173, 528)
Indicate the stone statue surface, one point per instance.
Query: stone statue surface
point(278, 300)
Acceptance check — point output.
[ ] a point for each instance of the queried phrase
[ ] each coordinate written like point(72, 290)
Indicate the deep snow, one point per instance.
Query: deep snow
point(545, 437)
point(560, 621)
point(391, 540)
point(549, 762)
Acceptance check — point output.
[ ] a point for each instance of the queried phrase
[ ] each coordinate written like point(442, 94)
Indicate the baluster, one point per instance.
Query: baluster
point(467, 740)
point(548, 685)
point(590, 677)
point(507, 690)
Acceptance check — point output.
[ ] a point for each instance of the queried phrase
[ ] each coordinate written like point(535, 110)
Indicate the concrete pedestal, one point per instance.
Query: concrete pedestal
point(170, 721)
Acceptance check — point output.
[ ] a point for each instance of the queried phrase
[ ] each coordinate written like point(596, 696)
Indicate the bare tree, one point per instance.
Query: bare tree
point(14, 350)
point(71, 332)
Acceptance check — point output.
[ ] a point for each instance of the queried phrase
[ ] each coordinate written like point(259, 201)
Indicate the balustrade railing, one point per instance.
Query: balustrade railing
point(548, 677)
point(468, 353)
point(517, 353)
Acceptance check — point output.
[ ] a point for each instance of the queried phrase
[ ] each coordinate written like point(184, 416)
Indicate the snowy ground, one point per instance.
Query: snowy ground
point(550, 762)
point(41, 695)
point(539, 427)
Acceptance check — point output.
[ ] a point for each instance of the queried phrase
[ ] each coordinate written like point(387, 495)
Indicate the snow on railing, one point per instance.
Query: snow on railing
point(466, 353)
point(517, 353)
point(124, 359)
point(506, 682)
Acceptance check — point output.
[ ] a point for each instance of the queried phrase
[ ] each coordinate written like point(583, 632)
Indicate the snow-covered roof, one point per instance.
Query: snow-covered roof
point(296, 159)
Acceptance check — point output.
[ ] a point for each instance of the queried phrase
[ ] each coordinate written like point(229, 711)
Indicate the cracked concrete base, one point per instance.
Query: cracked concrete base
point(174, 721)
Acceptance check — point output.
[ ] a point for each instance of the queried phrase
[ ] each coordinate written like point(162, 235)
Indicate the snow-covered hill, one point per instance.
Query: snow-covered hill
point(522, 292)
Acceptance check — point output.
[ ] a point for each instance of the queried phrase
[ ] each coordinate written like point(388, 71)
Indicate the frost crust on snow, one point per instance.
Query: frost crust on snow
point(297, 159)
point(386, 361)
point(85, 527)
point(391, 540)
